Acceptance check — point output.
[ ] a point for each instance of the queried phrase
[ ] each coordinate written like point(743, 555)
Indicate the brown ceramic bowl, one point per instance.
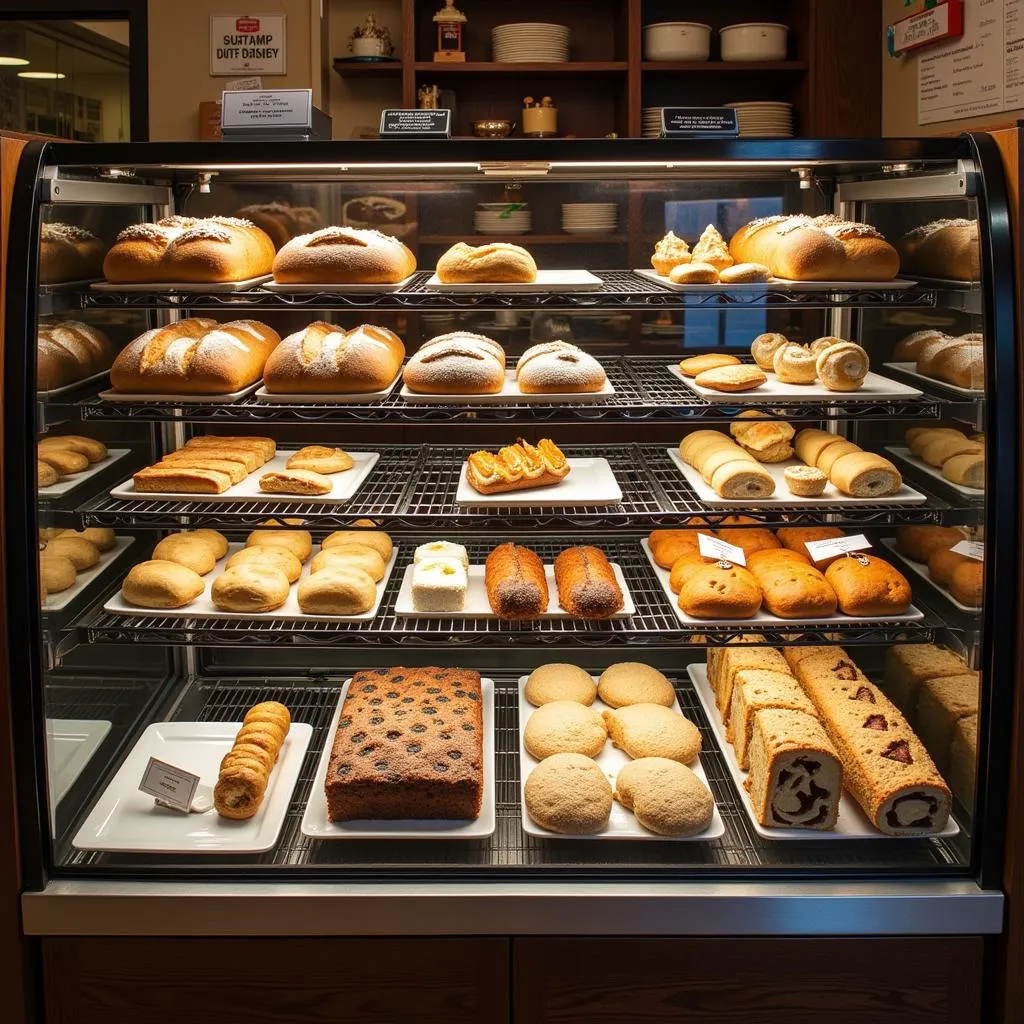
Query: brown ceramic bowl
point(493, 128)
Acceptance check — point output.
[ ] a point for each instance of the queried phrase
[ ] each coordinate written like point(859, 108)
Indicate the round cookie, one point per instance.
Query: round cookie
point(630, 682)
point(666, 797)
point(568, 794)
point(564, 727)
point(560, 682)
point(651, 730)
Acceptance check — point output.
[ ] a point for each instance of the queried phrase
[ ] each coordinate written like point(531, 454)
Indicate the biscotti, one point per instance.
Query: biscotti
point(409, 744)
point(338, 255)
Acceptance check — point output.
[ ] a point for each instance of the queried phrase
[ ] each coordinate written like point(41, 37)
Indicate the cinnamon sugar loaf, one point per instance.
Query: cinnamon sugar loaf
point(338, 255)
point(587, 588)
point(517, 467)
point(189, 249)
point(517, 587)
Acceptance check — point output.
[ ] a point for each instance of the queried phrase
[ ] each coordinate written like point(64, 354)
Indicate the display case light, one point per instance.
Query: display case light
point(9, 61)
point(46, 75)
point(13, 50)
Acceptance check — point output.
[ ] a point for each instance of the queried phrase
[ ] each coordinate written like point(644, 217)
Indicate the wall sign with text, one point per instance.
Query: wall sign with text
point(247, 44)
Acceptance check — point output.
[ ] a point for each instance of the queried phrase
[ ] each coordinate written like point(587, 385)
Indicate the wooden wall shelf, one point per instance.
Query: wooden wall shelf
point(368, 69)
point(575, 68)
point(721, 67)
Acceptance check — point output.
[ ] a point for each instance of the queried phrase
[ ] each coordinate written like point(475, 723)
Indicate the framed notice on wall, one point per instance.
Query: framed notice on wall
point(247, 44)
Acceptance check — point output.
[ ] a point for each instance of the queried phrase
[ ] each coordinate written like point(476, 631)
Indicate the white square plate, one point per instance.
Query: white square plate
point(360, 398)
point(589, 482)
point(70, 744)
point(772, 392)
point(66, 484)
point(852, 822)
point(55, 602)
point(337, 289)
point(906, 495)
point(345, 484)
point(126, 820)
point(622, 824)
point(209, 287)
point(316, 824)
point(922, 571)
point(910, 369)
point(203, 606)
point(902, 454)
point(547, 281)
point(478, 607)
point(509, 394)
point(763, 617)
point(125, 397)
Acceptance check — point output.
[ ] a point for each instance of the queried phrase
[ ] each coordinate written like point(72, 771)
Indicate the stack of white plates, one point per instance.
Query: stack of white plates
point(651, 122)
point(588, 218)
point(499, 219)
point(530, 41)
point(764, 119)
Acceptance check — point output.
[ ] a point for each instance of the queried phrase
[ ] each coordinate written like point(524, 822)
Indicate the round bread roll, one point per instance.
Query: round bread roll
point(338, 255)
point(56, 573)
point(666, 797)
point(64, 460)
point(455, 364)
point(631, 682)
point(568, 794)
point(255, 587)
point(337, 591)
point(298, 542)
point(490, 263)
point(376, 539)
point(217, 541)
point(967, 584)
point(81, 553)
point(269, 554)
point(46, 475)
point(161, 584)
point(194, 552)
point(560, 682)
point(557, 367)
point(764, 347)
point(101, 536)
point(359, 556)
point(564, 727)
point(693, 273)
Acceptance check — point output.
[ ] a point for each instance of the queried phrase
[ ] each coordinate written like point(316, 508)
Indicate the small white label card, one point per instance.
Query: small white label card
point(819, 550)
point(173, 787)
point(715, 547)
point(971, 549)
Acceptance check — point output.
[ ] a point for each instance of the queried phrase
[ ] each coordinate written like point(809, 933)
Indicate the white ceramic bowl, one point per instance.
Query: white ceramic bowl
point(754, 41)
point(677, 40)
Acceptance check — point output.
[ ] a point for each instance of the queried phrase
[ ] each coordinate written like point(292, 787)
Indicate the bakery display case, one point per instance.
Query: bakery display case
point(423, 562)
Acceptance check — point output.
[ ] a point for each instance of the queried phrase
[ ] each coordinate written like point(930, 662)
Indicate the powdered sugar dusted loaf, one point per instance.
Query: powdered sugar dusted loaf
point(339, 255)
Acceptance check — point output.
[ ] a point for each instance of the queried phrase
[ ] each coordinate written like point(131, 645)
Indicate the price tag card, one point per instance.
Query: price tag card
point(715, 547)
point(405, 124)
point(699, 123)
point(173, 787)
point(819, 550)
point(971, 549)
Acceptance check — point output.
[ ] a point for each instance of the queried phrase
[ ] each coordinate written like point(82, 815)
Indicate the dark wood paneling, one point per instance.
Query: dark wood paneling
point(747, 981)
point(315, 981)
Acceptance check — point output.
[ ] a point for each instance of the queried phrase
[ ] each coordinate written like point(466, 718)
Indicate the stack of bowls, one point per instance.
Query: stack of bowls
point(651, 122)
point(764, 119)
point(530, 42)
point(499, 219)
point(589, 218)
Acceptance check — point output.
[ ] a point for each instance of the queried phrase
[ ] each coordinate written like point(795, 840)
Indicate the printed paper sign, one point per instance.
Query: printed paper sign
point(715, 547)
point(971, 549)
point(819, 550)
point(291, 108)
point(172, 786)
point(247, 44)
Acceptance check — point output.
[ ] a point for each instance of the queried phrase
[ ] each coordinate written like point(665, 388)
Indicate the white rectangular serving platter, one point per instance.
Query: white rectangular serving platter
point(70, 745)
point(874, 389)
point(46, 396)
point(622, 824)
point(345, 484)
point(478, 607)
point(316, 825)
point(60, 600)
point(772, 284)
point(906, 495)
point(204, 608)
point(66, 484)
point(852, 822)
point(509, 394)
point(779, 284)
point(337, 289)
point(126, 820)
point(904, 455)
point(208, 287)
point(124, 397)
point(920, 570)
point(589, 482)
point(547, 281)
point(766, 618)
point(332, 398)
point(910, 369)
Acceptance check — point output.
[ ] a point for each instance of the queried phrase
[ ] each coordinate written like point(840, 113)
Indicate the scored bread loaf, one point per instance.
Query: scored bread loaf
point(337, 255)
point(587, 588)
point(490, 263)
point(459, 363)
point(556, 367)
point(326, 359)
point(942, 248)
point(68, 253)
point(69, 351)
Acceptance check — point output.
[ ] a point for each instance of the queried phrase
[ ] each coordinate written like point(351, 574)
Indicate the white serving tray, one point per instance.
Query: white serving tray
point(778, 284)
point(547, 281)
point(126, 820)
point(346, 484)
point(509, 394)
point(589, 482)
point(336, 289)
point(918, 569)
point(180, 399)
point(316, 825)
point(772, 284)
point(478, 607)
point(66, 484)
point(46, 396)
point(160, 288)
point(622, 824)
point(874, 389)
point(903, 454)
point(906, 495)
point(70, 745)
point(60, 600)
point(203, 606)
point(910, 369)
point(763, 617)
point(852, 822)
point(333, 398)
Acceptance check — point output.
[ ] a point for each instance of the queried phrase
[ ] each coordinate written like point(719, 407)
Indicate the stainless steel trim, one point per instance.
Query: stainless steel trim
point(615, 908)
point(954, 184)
point(71, 190)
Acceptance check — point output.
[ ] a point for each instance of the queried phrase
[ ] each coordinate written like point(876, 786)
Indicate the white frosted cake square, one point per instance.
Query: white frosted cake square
point(441, 549)
point(439, 585)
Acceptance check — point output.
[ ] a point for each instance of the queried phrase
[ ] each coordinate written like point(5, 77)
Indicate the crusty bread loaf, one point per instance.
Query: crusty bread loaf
point(337, 255)
point(459, 363)
point(326, 359)
point(495, 262)
point(161, 584)
point(68, 253)
point(942, 248)
point(197, 356)
point(587, 588)
point(556, 367)
point(69, 351)
point(516, 585)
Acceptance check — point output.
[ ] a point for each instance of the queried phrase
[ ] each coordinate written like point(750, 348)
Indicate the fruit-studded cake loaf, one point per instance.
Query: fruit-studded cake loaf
point(409, 745)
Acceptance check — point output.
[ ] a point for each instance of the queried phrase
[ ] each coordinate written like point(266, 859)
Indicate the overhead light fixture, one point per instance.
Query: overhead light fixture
point(13, 51)
point(13, 62)
point(47, 75)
